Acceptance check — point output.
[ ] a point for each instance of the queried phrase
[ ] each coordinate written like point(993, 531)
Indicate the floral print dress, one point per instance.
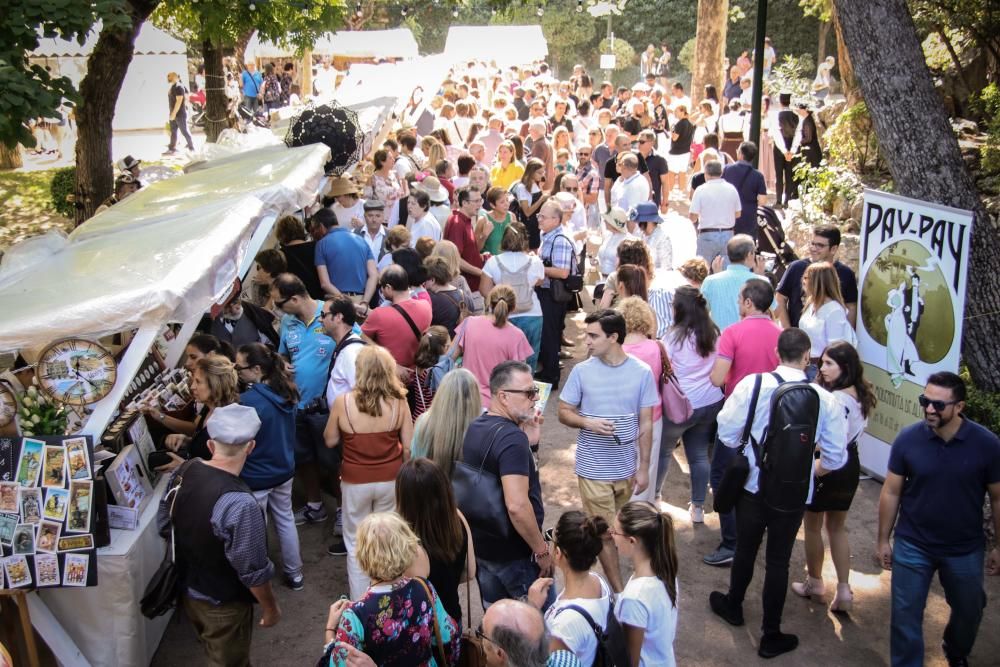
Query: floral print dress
point(394, 625)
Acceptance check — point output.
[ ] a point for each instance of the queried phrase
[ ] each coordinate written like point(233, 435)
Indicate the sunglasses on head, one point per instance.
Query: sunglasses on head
point(938, 405)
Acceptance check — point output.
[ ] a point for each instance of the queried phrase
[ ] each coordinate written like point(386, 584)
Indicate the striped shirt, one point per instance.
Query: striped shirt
point(617, 393)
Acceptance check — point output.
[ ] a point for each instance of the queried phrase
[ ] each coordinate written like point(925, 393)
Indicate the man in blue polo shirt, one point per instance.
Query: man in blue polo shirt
point(344, 261)
point(309, 348)
point(939, 471)
point(722, 288)
point(749, 183)
point(252, 82)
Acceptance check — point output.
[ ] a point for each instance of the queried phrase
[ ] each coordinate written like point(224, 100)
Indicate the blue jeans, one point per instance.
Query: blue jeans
point(962, 580)
point(696, 433)
point(721, 456)
point(531, 325)
point(499, 580)
point(712, 243)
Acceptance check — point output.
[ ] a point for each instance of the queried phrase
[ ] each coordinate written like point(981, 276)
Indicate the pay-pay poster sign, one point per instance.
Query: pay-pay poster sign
point(914, 266)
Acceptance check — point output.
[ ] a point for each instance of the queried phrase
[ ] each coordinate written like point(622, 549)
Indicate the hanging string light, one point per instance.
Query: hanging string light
point(579, 6)
point(358, 11)
point(405, 11)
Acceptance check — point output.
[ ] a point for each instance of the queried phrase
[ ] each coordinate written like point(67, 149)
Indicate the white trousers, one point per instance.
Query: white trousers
point(276, 503)
point(360, 500)
point(654, 455)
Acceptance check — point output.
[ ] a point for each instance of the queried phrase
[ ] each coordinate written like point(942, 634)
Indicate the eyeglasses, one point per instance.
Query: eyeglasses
point(936, 404)
point(583, 154)
point(281, 304)
point(324, 314)
point(612, 531)
point(242, 368)
point(529, 393)
point(482, 635)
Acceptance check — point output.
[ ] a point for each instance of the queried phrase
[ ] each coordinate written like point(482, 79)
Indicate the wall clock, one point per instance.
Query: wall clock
point(76, 371)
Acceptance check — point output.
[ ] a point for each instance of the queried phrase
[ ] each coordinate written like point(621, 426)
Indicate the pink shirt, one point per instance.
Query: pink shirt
point(692, 371)
point(485, 346)
point(751, 345)
point(648, 351)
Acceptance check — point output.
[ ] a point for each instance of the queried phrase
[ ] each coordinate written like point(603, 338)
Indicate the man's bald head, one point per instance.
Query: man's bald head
point(517, 635)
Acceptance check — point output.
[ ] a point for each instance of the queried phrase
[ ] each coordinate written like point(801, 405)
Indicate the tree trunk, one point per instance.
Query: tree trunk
point(10, 157)
point(848, 81)
point(824, 34)
point(239, 51)
point(923, 155)
point(954, 58)
point(710, 47)
point(216, 113)
point(99, 91)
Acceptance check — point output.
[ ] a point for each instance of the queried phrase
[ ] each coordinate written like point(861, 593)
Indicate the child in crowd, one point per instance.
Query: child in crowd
point(433, 362)
point(563, 164)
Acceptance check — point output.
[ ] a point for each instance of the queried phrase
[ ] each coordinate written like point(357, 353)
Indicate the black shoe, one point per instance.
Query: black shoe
point(773, 645)
point(723, 608)
point(338, 548)
point(953, 661)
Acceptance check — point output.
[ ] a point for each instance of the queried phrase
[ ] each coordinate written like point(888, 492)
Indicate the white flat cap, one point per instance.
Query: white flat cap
point(233, 424)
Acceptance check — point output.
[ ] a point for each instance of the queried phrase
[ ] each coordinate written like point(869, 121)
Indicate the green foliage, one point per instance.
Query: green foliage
point(826, 190)
point(791, 32)
point(29, 91)
point(686, 56)
point(981, 406)
point(986, 104)
point(571, 36)
point(624, 53)
point(852, 143)
point(63, 184)
point(793, 74)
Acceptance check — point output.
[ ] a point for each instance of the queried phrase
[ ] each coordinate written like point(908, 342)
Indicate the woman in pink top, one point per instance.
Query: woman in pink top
point(690, 344)
point(483, 342)
point(640, 342)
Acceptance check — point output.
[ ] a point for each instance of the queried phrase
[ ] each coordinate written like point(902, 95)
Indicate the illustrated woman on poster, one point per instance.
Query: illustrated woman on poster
point(906, 306)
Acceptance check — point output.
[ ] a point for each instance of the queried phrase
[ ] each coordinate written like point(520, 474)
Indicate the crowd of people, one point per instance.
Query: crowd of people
point(392, 352)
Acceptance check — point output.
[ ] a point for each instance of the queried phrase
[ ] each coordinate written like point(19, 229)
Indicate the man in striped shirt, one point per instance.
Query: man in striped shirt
point(610, 398)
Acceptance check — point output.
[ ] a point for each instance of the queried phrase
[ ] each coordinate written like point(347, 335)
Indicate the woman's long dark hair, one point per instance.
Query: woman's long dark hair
point(655, 529)
point(425, 499)
point(580, 538)
point(691, 317)
point(276, 375)
point(852, 374)
point(634, 279)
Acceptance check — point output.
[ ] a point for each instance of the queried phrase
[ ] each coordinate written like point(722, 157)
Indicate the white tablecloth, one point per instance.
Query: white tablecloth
point(105, 621)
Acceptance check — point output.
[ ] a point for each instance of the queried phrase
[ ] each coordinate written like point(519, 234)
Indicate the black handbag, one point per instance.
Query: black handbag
point(735, 476)
point(164, 589)
point(479, 495)
point(564, 289)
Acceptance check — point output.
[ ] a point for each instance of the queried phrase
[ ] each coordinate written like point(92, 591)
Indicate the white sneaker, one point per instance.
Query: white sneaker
point(697, 513)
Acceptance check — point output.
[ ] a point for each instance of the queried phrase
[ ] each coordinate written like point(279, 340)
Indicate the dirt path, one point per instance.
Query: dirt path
point(702, 639)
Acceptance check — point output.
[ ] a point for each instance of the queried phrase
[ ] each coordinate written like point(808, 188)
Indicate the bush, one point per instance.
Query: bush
point(62, 188)
point(826, 190)
point(981, 406)
point(852, 143)
point(792, 75)
point(686, 55)
point(624, 53)
point(986, 104)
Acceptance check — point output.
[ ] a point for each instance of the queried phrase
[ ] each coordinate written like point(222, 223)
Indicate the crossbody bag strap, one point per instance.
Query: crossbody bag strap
point(594, 627)
point(434, 621)
point(493, 439)
point(666, 368)
point(751, 413)
point(409, 320)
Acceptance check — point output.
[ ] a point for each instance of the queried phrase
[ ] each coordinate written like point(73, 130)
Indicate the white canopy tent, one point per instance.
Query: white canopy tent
point(362, 44)
point(142, 103)
point(506, 45)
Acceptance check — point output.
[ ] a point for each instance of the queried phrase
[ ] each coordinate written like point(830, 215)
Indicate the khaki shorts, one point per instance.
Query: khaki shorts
point(604, 498)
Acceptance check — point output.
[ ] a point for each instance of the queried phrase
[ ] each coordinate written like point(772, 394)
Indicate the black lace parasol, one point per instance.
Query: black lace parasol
point(333, 125)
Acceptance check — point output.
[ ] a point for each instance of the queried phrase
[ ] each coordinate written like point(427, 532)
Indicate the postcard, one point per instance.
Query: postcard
point(8, 497)
point(56, 502)
point(31, 505)
point(544, 391)
point(30, 462)
point(47, 569)
point(54, 467)
point(48, 536)
point(75, 570)
point(17, 570)
point(78, 513)
point(77, 459)
point(24, 539)
point(76, 543)
point(7, 525)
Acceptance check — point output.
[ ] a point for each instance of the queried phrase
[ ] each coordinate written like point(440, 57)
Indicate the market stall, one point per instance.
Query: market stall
point(505, 45)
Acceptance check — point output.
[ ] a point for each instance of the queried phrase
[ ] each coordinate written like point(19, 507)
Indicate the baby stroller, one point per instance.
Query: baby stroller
point(245, 117)
point(772, 245)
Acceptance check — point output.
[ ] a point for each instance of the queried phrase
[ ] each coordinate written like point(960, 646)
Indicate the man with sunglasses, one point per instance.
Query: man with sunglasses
point(500, 443)
point(939, 471)
point(657, 168)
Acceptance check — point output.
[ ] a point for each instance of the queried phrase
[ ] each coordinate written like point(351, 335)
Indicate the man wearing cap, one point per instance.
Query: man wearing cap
point(715, 207)
point(373, 233)
point(631, 188)
point(647, 221)
point(240, 322)
point(344, 262)
point(221, 540)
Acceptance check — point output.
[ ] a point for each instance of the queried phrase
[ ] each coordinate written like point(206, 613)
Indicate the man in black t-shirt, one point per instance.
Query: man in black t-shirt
point(500, 443)
point(177, 102)
point(823, 248)
point(679, 155)
point(656, 166)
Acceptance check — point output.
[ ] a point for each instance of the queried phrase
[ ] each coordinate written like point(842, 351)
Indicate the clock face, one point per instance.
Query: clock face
point(77, 372)
point(8, 405)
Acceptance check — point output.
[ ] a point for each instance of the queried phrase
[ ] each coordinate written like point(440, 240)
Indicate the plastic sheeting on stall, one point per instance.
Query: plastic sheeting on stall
point(506, 45)
point(396, 43)
point(164, 254)
point(398, 80)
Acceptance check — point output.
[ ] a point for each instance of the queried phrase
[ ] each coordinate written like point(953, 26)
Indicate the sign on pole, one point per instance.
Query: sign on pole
point(913, 271)
point(608, 61)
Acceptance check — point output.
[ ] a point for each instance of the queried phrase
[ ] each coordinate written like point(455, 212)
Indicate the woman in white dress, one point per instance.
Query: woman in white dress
point(824, 315)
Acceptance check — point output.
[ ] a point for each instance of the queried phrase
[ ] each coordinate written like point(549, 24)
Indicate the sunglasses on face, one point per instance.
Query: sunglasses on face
point(281, 304)
point(528, 393)
point(938, 405)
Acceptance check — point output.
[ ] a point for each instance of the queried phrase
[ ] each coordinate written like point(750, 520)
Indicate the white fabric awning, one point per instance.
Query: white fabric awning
point(398, 43)
point(151, 40)
point(504, 44)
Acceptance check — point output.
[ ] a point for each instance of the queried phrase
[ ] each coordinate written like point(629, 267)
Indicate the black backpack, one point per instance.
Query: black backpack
point(611, 647)
point(786, 453)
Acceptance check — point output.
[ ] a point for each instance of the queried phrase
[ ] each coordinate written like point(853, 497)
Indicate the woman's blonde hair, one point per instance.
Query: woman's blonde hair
point(221, 378)
point(398, 237)
point(449, 252)
point(820, 284)
point(639, 317)
point(456, 405)
point(503, 301)
point(561, 132)
point(695, 270)
point(435, 154)
point(386, 546)
point(376, 380)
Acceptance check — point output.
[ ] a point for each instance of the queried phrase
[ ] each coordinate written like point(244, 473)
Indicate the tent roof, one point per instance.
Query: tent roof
point(398, 43)
point(505, 44)
point(151, 41)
